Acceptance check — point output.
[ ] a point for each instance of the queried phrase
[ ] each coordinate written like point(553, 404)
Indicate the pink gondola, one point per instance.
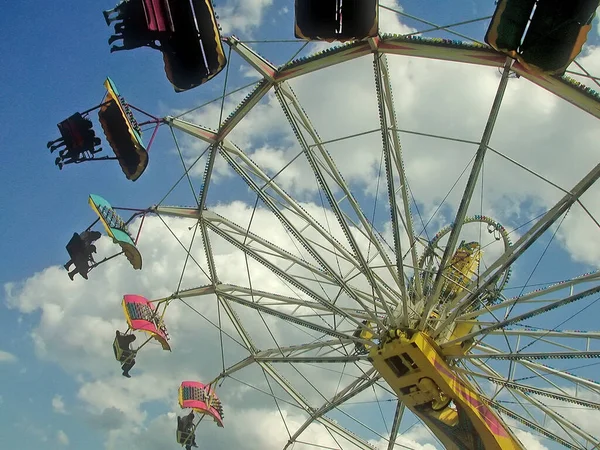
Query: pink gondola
point(140, 315)
point(201, 398)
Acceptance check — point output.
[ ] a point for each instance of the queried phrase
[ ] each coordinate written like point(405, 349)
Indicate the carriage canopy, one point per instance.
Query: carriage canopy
point(141, 315)
point(194, 53)
point(201, 398)
point(116, 229)
point(158, 16)
point(123, 133)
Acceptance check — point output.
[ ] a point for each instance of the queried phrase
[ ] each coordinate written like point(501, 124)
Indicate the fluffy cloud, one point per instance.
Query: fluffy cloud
point(58, 405)
point(242, 16)
point(529, 441)
point(62, 438)
point(78, 335)
point(6, 357)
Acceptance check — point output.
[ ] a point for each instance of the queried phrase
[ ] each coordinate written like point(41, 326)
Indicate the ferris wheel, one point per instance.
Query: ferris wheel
point(366, 304)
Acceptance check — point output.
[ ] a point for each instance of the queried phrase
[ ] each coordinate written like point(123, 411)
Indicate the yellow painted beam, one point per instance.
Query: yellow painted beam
point(449, 406)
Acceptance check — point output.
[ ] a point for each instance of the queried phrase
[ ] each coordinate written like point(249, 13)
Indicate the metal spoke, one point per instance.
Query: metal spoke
point(272, 299)
point(548, 333)
point(302, 402)
point(527, 315)
point(466, 199)
point(532, 425)
point(312, 359)
point(533, 296)
point(275, 354)
point(530, 356)
point(311, 143)
point(350, 391)
point(396, 425)
point(228, 154)
point(519, 247)
point(565, 424)
point(207, 290)
point(544, 393)
point(592, 385)
point(215, 222)
point(393, 160)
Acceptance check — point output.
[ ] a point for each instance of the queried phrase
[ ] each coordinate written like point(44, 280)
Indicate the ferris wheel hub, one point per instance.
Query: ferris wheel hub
point(418, 372)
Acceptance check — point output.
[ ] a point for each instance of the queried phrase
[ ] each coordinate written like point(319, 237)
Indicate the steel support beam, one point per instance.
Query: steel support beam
point(525, 316)
point(303, 403)
point(312, 147)
point(392, 152)
point(396, 424)
point(350, 391)
point(519, 247)
point(467, 195)
point(532, 296)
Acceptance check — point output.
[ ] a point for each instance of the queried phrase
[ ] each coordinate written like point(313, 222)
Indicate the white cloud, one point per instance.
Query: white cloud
point(79, 336)
point(29, 428)
point(529, 441)
point(58, 405)
point(6, 357)
point(242, 16)
point(417, 438)
point(389, 21)
point(62, 438)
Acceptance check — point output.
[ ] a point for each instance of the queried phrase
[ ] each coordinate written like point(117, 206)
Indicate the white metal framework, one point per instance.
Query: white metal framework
point(345, 278)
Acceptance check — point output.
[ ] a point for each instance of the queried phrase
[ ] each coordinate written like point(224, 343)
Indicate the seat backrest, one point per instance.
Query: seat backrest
point(117, 350)
point(183, 437)
point(121, 350)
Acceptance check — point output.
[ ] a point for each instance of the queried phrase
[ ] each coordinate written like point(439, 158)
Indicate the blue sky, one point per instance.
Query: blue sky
point(55, 59)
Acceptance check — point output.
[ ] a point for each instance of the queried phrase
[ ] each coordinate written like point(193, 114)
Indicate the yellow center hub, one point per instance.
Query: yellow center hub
point(415, 369)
